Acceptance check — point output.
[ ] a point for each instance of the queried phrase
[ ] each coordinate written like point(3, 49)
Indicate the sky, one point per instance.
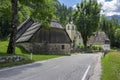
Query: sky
point(69, 2)
point(109, 7)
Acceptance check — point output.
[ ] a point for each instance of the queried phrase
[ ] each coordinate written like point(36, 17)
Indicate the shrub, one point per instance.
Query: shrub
point(91, 48)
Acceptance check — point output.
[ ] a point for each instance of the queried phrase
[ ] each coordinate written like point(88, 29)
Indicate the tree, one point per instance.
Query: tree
point(63, 13)
point(117, 37)
point(41, 10)
point(14, 24)
point(109, 26)
point(5, 17)
point(87, 18)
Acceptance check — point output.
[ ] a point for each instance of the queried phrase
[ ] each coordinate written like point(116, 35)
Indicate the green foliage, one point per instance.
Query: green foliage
point(111, 66)
point(117, 37)
point(63, 13)
point(91, 48)
point(96, 47)
point(81, 46)
point(42, 10)
point(23, 12)
point(87, 18)
point(5, 17)
point(117, 34)
point(110, 28)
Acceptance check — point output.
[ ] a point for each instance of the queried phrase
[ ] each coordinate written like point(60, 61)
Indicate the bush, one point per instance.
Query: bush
point(81, 46)
point(97, 47)
point(91, 48)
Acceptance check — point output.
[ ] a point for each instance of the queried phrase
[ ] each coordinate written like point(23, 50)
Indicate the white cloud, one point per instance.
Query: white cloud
point(110, 8)
point(74, 6)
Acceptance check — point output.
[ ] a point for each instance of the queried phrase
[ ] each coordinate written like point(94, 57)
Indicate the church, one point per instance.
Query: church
point(74, 34)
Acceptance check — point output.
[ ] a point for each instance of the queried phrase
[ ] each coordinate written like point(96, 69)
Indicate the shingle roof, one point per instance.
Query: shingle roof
point(23, 27)
point(27, 29)
point(55, 24)
point(29, 32)
point(98, 38)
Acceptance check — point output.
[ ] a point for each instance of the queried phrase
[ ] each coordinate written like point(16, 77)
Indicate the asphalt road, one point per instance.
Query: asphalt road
point(76, 67)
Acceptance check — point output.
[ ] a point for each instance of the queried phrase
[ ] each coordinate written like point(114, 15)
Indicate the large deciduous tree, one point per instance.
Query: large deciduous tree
point(14, 24)
point(41, 10)
point(87, 18)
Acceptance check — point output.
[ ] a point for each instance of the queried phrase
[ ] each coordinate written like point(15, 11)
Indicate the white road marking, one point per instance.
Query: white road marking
point(85, 74)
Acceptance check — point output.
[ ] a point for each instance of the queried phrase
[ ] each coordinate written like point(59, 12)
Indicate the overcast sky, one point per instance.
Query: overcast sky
point(109, 7)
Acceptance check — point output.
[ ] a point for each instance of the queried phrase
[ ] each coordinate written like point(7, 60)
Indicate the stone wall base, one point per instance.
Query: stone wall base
point(46, 48)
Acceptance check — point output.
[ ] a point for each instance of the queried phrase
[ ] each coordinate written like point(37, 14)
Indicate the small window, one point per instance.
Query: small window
point(63, 47)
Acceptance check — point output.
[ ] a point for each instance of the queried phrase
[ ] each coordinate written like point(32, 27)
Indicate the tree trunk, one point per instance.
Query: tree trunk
point(11, 46)
point(85, 41)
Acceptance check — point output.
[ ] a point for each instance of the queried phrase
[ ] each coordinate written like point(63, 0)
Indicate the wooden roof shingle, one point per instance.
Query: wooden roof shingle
point(27, 29)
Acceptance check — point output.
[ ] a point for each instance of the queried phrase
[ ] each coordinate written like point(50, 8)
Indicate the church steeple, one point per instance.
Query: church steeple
point(70, 19)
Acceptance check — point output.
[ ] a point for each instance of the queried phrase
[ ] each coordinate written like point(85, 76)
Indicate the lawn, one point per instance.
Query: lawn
point(19, 51)
point(111, 66)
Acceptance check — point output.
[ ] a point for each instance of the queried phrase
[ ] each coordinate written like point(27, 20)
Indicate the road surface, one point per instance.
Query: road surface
point(76, 67)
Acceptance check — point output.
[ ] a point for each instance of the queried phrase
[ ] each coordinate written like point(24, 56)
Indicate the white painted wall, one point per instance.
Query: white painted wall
point(106, 47)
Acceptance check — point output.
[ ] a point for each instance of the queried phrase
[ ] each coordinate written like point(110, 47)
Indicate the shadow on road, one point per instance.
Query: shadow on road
point(18, 70)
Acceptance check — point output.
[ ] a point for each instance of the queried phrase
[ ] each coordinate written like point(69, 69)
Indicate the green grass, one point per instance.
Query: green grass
point(111, 66)
point(20, 51)
point(36, 57)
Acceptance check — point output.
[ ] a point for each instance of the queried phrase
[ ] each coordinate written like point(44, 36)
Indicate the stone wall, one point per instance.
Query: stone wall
point(11, 59)
point(46, 48)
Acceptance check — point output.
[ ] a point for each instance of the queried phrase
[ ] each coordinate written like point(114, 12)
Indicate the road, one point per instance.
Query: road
point(76, 67)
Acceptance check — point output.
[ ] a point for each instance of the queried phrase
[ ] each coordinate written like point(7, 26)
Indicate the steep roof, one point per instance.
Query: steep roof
point(55, 24)
point(98, 38)
point(27, 29)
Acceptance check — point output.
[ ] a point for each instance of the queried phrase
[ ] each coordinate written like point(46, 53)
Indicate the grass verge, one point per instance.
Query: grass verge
point(111, 66)
point(19, 51)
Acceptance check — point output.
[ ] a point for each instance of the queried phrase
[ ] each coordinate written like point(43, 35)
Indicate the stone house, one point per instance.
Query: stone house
point(74, 35)
point(33, 38)
point(100, 38)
